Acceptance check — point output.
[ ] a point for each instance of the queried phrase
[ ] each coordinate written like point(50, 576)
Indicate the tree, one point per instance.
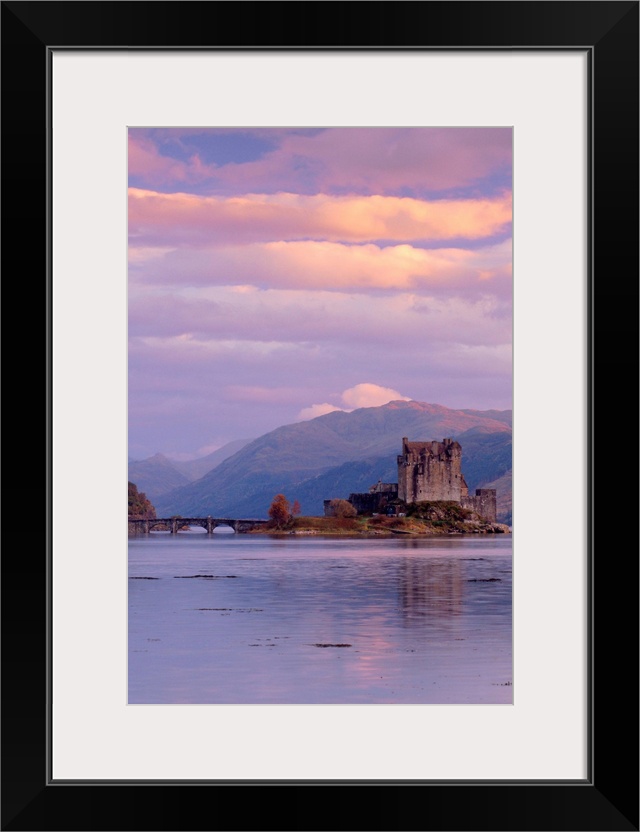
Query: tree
point(295, 510)
point(139, 506)
point(343, 508)
point(279, 511)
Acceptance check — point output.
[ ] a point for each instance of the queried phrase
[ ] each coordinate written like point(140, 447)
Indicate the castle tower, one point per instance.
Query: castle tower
point(431, 471)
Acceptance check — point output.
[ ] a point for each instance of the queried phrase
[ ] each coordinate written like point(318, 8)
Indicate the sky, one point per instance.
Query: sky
point(278, 274)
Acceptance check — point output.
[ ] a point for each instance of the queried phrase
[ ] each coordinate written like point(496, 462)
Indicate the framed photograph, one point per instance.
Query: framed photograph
point(321, 285)
point(98, 91)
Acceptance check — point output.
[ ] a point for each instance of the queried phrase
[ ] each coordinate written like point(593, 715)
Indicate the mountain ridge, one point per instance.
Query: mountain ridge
point(158, 474)
point(293, 457)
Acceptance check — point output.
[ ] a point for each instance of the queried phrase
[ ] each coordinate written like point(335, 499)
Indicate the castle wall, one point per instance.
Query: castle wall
point(483, 502)
point(386, 487)
point(371, 502)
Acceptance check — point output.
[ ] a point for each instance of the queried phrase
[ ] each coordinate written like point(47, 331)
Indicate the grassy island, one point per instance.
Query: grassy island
point(441, 518)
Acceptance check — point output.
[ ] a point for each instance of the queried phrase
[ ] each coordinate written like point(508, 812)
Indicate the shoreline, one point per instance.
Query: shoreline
point(383, 534)
point(446, 523)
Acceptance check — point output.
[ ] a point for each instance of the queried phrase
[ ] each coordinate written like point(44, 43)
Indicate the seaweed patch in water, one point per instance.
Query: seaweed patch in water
point(205, 576)
point(228, 609)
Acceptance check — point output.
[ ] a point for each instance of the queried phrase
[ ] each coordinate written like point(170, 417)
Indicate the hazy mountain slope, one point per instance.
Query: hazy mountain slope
point(194, 469)
point(379, 430)
point(244, 484)
point(485, 456)
point(156, 476)
point(505, 416)
point(339, 482)
point(292, 458)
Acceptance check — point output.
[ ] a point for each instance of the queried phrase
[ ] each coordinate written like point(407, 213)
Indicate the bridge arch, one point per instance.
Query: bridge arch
point(158, 525)
point(193, 528)
point(223, 528)
point(200, 522)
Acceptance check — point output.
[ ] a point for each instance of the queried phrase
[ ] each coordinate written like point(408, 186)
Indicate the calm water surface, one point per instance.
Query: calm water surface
point(249, 619)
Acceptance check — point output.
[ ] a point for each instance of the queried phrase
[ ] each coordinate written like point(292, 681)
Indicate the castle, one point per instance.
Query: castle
point(427, 471)
point(433, 471)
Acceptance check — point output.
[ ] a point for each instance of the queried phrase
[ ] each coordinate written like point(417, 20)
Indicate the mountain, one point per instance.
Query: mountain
point(193, 469)
point(337, 453)
point(505, 416)
point(158, 475)
point(155, 476)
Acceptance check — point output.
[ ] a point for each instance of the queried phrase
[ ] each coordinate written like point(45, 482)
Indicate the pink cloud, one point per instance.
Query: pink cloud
point(370, 395)
point(330, 266)
point(316, 410)
point(361, 395)
point(378, 160)
point(180, 218)
point(147, 162)
point(288, 278)
point(272, 317)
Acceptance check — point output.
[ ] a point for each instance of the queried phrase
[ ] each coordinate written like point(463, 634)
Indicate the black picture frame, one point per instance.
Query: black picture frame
point(608, 798)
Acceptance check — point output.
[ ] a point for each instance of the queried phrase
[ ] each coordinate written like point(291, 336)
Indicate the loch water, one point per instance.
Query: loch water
point(256, 619)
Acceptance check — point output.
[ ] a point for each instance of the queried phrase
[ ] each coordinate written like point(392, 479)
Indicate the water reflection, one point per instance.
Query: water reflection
point(319, 621)
point(430, 588)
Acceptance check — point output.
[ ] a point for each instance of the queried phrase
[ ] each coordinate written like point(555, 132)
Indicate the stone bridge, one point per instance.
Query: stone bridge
point(174, 524)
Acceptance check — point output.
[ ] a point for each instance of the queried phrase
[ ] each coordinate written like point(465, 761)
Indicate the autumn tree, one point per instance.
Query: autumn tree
point(342, 508)
point(279, 511)
point(139, 506)
point(295, 509)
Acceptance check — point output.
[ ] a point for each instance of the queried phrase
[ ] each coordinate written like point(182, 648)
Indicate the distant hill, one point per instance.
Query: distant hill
point(193, 469)
point(158, 474)
point(505, 416)
point(337, 453)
